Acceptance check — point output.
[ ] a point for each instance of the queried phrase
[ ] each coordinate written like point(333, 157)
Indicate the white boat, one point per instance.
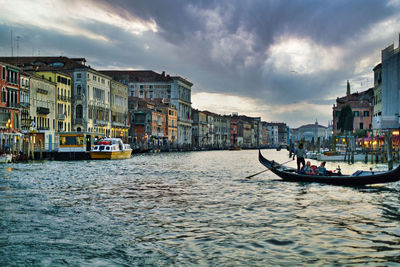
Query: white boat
point(5, 158)
point(111, 148)
point(339, 156)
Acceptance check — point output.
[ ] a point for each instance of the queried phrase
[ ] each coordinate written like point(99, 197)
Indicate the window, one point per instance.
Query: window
point(361, 125)
point(79, 112)
point(356, 113)
point(78, 89)
point(58, 79)
point(366, 113)
point(4, 73)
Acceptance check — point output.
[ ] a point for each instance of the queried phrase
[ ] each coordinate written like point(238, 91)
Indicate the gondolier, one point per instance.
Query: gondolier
point(300, 152)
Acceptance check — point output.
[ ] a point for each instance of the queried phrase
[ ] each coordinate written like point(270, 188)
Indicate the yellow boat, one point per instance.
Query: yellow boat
point(111, 148)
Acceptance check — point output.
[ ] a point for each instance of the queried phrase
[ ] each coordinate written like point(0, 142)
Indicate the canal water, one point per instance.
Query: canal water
point(191, 209)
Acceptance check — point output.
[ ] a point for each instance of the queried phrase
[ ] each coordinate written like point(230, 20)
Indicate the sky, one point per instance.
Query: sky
point(281, 60)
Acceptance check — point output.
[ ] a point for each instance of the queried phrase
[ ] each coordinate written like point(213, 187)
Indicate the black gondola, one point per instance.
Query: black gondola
point(358, 178)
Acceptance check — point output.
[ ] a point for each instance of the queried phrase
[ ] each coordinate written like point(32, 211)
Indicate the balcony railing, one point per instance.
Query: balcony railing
point(42, 91)
point(61, 116)
point(41, 128)
point(42, 110)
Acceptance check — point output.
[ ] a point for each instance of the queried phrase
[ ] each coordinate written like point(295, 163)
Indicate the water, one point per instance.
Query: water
point(190, 209)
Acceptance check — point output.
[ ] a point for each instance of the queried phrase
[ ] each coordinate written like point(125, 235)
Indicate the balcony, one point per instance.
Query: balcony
point(61, 116)
point(42, 91)
point(43, 128)
point(42, 110)
point(101, 122)
point(25, 105)
point(118, 124)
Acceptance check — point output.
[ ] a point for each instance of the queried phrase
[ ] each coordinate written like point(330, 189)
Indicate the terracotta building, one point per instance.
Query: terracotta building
point(362, 106)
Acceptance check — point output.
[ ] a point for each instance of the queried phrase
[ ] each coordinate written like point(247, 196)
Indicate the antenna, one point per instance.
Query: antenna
point(18, 37)
point(12, 50)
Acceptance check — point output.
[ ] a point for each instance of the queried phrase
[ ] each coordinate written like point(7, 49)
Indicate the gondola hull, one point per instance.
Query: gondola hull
point(348, 180)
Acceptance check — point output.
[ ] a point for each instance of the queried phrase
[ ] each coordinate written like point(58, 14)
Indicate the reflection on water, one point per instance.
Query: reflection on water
point(191, 209)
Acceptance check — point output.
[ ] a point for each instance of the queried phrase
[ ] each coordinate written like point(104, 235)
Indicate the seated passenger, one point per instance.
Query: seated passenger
point(308, 169)
point(321, 170)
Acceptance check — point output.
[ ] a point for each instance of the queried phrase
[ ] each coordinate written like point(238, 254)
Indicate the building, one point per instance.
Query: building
point(42, 112)
point(26, 119)
point(311, 133)
point(148, 123)
point(119, 110)
point(90, 107)
point(200, 131)
point(386, 89)
point(282, 134)
point(362, 106)
point(63, 98)
point(10, 98)
point(171, 115)
point(148, 84)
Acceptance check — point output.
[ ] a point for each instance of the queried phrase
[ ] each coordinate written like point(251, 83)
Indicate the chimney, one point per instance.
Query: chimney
point(163, 74)
point(348, 88)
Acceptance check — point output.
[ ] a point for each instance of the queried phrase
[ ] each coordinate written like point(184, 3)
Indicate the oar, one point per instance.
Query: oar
point(248, 177)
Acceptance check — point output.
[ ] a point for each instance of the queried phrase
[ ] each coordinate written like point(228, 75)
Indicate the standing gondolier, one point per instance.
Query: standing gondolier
point(300, 152)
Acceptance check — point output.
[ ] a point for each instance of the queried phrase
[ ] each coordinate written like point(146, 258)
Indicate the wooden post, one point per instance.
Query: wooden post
point(40, 150)
point(32, 149)
point(389, 150)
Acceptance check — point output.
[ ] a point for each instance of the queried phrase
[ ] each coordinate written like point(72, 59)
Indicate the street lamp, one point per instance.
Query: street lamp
point(9, 124)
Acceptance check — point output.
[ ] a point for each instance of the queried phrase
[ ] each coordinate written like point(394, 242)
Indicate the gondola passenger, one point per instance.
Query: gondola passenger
point(321, 170)
point(307, 169)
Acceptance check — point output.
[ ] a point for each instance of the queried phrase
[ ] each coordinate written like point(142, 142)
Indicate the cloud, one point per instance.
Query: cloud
point(276, 58)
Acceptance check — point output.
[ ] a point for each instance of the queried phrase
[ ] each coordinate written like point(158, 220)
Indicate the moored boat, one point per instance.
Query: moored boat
point(111, 148)
point(5, 158)
point(359, 178)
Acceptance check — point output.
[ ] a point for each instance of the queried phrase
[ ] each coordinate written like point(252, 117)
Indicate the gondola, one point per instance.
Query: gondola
point(359, 178)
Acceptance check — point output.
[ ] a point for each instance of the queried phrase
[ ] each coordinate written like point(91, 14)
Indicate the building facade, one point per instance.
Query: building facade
point(63, 98)
point(10, 98)
point(362, 106)
point(151, 85)
point(119, 110)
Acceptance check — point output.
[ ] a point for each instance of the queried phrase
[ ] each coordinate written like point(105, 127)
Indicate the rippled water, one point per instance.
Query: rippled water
point(185, 209)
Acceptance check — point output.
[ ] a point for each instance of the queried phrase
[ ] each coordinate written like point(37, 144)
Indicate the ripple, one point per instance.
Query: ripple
point(194, 208)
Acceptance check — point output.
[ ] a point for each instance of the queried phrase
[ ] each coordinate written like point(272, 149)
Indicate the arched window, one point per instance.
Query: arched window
point(79, 112)
point(78, 90)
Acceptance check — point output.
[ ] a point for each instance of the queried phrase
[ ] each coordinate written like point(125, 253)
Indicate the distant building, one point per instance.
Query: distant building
point(310, 132)
point(361, 105)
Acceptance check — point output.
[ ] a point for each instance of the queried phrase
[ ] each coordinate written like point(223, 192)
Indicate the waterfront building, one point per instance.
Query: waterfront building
point(281, 137)
point(26, 119)
point(273, 134)
point(264, 139)
point(148, 124)
point(63, 98)
point(233, 129)
point(42, 112)
point(361, 105)
point(387, 79)
point(148, 84)
point(10, 98)
point(119, 110)
point(171, 118)
point(200, 131)
point(90, 90)
point(310, 133)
